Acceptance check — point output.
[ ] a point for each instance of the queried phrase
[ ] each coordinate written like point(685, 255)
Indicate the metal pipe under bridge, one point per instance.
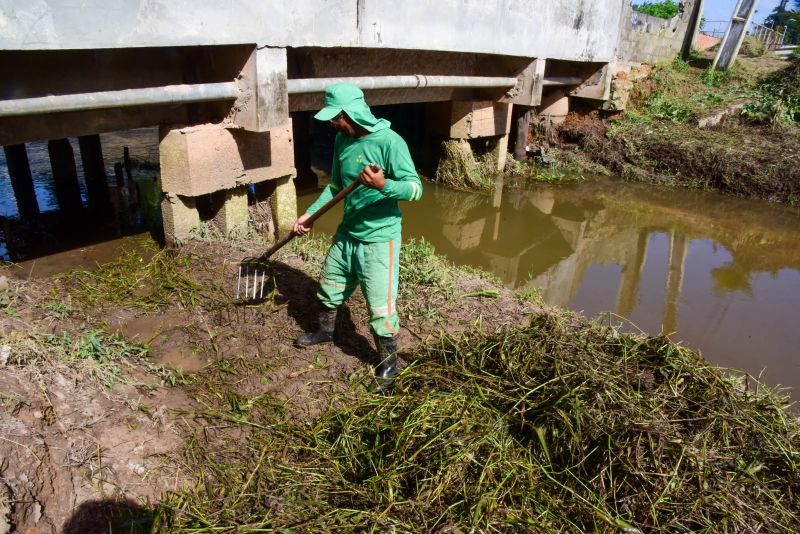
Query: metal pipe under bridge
point(228, 81)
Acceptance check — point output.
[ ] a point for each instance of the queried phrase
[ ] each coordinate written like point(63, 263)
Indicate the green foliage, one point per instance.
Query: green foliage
point(59, 309)
point(680, 64)
point(421, 267)
point(663, 10)
point(786, 20)
point(714, 77)
point(552, 172)
point(98, 346)
point(666, 108)
point(776, 100)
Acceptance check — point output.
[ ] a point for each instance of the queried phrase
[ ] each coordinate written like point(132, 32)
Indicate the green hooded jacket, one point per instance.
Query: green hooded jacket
point(370, 215)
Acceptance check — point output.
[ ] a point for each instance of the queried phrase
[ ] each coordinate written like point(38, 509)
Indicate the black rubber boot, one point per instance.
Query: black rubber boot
point(387, 366)
point(325, 332)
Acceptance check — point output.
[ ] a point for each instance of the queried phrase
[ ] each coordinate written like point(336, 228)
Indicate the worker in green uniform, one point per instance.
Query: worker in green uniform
point(366, 247)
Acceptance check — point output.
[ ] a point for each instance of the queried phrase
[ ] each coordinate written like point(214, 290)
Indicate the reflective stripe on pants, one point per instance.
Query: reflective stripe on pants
point(373, 266)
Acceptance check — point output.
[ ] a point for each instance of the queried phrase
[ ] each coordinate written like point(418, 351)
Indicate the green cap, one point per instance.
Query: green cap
point(350, 99)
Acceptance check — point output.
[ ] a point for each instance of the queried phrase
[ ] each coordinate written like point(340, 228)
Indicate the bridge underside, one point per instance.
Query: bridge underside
point(243, 135)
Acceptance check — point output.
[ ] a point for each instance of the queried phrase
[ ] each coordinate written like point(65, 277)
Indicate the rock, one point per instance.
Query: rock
point(4, 283)
point(6, 498)
point(137, 468)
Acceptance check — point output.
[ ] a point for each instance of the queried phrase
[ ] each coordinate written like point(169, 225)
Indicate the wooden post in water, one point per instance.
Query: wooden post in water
point(19, 170)
point(95, 173)
point(118, 175)
point(65, 176)
point(132, 192)
point(126, 158)
point(524, 116)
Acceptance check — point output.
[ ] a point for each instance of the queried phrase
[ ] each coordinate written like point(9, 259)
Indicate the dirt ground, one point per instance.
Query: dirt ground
point(101, 399)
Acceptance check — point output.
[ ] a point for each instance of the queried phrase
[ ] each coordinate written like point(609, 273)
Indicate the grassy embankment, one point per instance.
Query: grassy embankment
point(663, 138)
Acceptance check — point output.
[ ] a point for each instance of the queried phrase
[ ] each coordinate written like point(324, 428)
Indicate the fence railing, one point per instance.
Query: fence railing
point(771, 38)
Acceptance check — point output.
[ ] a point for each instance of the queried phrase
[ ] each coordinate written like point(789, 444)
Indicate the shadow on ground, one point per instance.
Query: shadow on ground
point(297, 291)
point(109, 516)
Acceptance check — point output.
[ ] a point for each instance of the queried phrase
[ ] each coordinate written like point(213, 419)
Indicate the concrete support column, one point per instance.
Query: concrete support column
point(284, 204)
point(471, 119)
point(233, 216)
point(19, 170)
point(500, 152)
point(180, 216)
point(556, 105)
point(301, 132)
point(211, 159)
point(65, 176)
point(94, 172)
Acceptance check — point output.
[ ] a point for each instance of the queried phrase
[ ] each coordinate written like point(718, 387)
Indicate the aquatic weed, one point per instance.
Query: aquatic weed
point(135, 280)
point(553, 426)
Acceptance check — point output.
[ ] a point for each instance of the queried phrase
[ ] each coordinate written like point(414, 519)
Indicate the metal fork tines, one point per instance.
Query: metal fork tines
point(253, 277)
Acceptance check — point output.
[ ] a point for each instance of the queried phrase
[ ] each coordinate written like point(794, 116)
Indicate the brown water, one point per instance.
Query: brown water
point(722, 275)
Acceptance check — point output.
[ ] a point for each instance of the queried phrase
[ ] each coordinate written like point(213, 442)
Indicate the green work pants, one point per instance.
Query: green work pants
point(375, 266)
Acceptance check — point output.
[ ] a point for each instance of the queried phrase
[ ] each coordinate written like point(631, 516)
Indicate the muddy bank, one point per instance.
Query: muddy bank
point(112, 379)
point(138, 394)
point(686, 126)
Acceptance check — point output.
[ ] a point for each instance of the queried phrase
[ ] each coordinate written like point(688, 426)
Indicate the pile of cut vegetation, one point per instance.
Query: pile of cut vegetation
point(554, 426)
point(776, 100)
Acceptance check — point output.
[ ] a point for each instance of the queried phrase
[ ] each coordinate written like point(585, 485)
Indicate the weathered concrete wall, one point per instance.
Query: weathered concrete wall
point(647, 39)
point(562, 29)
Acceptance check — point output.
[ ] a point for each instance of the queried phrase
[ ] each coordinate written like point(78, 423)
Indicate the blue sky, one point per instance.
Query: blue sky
point(722, 9)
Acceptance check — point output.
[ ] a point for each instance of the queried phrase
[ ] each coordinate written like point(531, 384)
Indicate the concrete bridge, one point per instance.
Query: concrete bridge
point(223, 80)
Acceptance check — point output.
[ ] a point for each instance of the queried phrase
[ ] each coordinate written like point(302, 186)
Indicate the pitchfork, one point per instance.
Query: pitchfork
point(253, 272)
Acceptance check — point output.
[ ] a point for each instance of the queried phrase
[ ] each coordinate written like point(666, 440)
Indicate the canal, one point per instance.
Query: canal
point(719, 274)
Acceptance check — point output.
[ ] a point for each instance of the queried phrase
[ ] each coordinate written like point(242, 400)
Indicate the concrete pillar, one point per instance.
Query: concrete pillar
point(19, 170)
point(737, 29)
point(180, 216)
point(94, 172)
point(233, 215)
point(65, 176)
point(210, 159)
point(284, 204)
point(301, 132)
point(471, 119)
point(555, 104)
point(203, 159)
point(501, 152)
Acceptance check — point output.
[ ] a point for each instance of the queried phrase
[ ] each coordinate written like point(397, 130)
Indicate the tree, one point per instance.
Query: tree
point(663, 10)
point(786, 19)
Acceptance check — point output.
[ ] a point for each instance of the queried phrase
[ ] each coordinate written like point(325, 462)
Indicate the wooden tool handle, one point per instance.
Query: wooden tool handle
point(319, 213)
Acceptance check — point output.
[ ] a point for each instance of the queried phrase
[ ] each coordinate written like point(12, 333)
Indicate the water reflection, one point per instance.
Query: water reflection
point(135, 205)
point(720, 274)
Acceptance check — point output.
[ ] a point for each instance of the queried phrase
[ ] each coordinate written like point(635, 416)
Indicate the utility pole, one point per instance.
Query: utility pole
point(734, 35)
